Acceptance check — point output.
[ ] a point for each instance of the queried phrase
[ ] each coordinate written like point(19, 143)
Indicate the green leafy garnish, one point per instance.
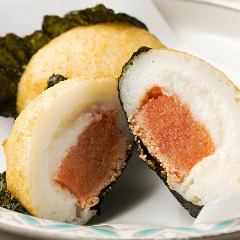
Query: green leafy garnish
point(15, 52)
point(6, 198)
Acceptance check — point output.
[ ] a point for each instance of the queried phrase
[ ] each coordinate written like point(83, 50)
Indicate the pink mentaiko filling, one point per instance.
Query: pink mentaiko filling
point(95, 160)
point(167, 128)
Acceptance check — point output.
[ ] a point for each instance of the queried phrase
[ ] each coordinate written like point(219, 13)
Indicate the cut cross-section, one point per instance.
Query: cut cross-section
point(95, 160)
point(172, 135)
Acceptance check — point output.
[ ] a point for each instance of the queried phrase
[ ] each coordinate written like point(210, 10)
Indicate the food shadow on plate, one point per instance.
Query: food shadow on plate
point(131, 189)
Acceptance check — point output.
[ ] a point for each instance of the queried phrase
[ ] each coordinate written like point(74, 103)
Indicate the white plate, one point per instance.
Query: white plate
point(139, 206)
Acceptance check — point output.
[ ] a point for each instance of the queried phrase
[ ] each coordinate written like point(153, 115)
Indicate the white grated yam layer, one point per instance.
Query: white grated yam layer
point(213, 101)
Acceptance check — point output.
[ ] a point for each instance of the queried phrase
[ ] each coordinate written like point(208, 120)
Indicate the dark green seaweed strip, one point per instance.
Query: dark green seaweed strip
point(54, 79)
point(10, 72)
point(35, 41)
point(6, 199)
point(15, 52)
point(55, 25)
point(15, 46)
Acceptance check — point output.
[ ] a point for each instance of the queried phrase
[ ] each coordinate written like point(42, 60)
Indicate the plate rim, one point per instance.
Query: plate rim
point(26, 225)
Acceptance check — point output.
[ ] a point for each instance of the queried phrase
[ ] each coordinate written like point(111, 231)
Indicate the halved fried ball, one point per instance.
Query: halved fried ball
point(93, 51)
point(185, 115)
point(66, 148)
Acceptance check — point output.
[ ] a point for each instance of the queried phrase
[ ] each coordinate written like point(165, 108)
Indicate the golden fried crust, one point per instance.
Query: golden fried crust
point(96, 51)
point(18, 145)
point(16, 148)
